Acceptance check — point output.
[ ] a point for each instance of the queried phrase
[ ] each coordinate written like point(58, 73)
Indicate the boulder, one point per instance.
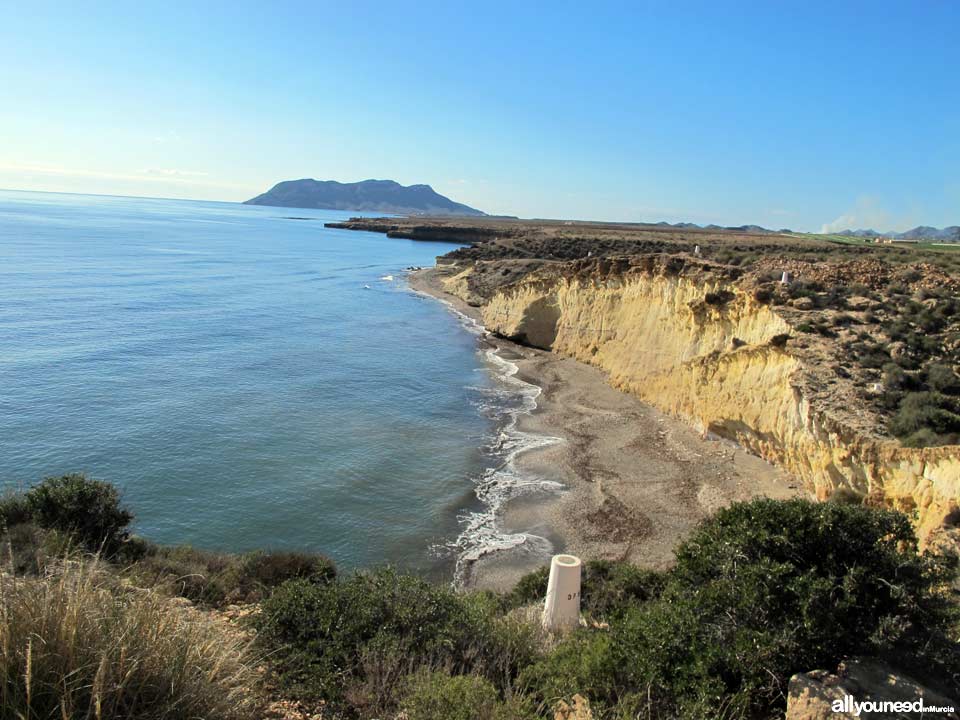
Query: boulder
point(898, 350)
point(577, 709)
point(819, 695)
point(858, 303)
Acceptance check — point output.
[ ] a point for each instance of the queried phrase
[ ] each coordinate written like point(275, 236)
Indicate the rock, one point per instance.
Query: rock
point(897, 350)
point(810, 696)
point(858, 303)
point(579, 709)
point(802, 303)
point(821, 695)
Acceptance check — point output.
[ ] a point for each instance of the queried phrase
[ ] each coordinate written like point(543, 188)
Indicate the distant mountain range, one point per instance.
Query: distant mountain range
point(733, 228)
point(380, 196)
point(921, 232)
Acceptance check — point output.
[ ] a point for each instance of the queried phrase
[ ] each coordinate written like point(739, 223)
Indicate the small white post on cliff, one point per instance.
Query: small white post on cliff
point(561, 611)
point(785, 278)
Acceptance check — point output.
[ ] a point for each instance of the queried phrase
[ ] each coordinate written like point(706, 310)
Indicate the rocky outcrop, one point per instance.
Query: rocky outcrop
point(823, 695)
point(686, 338)
point(577, 709)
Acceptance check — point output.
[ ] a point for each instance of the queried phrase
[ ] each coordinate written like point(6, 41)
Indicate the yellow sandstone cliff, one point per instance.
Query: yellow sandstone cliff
point(697, 346)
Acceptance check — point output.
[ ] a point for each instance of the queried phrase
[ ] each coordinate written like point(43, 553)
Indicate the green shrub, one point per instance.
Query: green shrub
point(941, 378)
point(28, 549)
point(368, 630)
point(760, 591)
point(184, 571)
point(607, 588)
point(582, 663)
point(270, 569)
point(80, 644)
point(438, 696)
point(88, 510)
point(926, 410)
point(216, 579)
point(765, 589)
point(13, 509)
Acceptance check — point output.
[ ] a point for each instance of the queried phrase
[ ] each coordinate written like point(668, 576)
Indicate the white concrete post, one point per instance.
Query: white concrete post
point(561, 611)
point(785, 278)
point(696, 249)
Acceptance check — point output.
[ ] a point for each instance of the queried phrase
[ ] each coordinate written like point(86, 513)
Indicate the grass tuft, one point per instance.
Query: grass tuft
point(80, 643)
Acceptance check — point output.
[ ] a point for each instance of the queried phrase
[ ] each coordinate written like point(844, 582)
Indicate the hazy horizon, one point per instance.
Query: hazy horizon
point(814, 117)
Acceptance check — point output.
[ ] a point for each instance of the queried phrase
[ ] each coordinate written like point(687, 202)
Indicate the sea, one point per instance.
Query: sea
point(253, 380)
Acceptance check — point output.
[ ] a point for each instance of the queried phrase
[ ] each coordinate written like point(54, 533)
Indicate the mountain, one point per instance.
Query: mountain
point(859, 233)
point(383, 196)
point(921, 232)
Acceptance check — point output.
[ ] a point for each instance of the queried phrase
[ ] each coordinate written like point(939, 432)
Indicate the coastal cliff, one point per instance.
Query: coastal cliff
point(693, 342)
point(847, 375)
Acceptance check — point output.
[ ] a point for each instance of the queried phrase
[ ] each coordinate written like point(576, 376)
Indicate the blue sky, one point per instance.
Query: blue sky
point(787, 114)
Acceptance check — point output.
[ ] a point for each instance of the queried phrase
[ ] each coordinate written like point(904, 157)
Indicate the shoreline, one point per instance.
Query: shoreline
point(635, 481)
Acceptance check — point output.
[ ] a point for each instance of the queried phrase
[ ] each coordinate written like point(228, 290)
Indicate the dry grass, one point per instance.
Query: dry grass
point(79, 643)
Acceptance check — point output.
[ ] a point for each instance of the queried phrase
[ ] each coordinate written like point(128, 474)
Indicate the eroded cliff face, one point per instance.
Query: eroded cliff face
point(693, 344)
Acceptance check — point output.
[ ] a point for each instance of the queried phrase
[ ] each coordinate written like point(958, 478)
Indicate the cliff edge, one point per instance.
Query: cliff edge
point(845, 374)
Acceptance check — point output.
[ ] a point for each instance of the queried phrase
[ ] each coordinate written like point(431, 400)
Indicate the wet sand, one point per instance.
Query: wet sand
point(637, 481)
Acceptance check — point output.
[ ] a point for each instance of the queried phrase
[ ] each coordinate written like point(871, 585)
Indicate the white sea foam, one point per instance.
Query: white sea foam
point(482, 534)
point(506, 402)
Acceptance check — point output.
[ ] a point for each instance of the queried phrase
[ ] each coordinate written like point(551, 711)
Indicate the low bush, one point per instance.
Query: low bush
point(28, 549)
point(217, 579)
point(358, 637)
point(13, 509)
point(607, 588)
point(80, 644)
point(933, 412)
point(438, 696)
point(941, 378)
point(760, 591)
point(87, 510)
point(270, 569)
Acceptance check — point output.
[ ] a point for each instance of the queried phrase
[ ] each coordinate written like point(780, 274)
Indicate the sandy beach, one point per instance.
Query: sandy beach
point(636, 481)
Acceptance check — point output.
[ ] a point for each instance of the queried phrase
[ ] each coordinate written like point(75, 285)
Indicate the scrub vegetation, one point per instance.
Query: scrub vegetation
point(759, 591)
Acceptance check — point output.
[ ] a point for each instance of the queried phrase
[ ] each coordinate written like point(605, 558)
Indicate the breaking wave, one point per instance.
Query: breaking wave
point(505, 402)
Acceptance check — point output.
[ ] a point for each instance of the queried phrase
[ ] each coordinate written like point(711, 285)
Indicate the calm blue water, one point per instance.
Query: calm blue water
point(226, 367)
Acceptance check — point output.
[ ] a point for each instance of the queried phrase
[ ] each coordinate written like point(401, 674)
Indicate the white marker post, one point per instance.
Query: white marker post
point(561, 611)
point(785, 278)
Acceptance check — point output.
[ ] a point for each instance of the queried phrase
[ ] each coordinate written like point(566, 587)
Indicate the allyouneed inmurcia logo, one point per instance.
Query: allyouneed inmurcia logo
point(856, 707)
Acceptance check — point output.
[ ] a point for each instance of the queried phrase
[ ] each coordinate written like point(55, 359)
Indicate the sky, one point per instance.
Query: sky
point(810, 115)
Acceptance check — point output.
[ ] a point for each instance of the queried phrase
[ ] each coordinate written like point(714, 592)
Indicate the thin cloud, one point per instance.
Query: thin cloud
point(173, 173)
point(151, 175)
